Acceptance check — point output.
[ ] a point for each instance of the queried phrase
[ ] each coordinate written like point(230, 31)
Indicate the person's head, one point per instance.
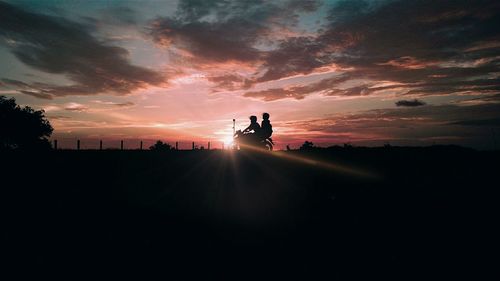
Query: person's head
point(253, 118)
point(265, 116)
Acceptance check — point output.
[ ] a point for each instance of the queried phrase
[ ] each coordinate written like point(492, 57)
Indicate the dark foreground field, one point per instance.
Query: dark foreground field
point(213, 215)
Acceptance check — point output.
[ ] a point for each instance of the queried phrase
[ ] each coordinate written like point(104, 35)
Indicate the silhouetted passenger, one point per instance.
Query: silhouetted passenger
point(266, 129)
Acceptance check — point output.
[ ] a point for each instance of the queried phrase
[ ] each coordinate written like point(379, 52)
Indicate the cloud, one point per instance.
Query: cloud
point(229, 82)
point(219, 31)
point(124, 104)
point(115, 104)
point(77, 107)
point(427, 47)
point(275, 94)
point(421, 48)
point(494, 122)
point(58, 117)
point(15, 83)
point(40, 95)
point(301, 91)
point(459, 124)
point(410, 103)
point(482, 99)
point(57, 45)
point(105, 106)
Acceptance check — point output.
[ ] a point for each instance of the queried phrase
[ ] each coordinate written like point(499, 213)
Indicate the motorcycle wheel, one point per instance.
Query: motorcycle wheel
point(269, 146)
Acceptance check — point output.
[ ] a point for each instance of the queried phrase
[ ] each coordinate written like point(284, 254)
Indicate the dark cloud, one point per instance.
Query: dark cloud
point(418, 48)
point(60, 46)
point(483, 99)
point(229, 82)
point(300, 92)
point(428, 47)
point(220, 31)
point(58, 117)
point(410, 103)
point(492, 98)
point(425, 47)
point(14, 83)
point(300, 55)
point(494, 122)
point(24, 88)
point(328, 86)
point(35, 94)
point(124, 104)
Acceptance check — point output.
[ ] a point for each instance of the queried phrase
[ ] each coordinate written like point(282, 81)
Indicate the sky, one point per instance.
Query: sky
point(331, 72)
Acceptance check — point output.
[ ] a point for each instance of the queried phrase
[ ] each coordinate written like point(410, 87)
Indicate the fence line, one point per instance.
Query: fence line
point(89, 145)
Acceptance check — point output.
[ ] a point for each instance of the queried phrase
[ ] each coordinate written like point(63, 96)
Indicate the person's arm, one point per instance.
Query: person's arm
point(257, 128)
point(247, 129)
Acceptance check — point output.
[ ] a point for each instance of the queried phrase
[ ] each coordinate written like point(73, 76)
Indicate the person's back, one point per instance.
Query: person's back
point(266, 128)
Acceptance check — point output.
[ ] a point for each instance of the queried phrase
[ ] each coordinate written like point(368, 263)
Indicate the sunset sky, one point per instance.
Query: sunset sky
point(364, 72)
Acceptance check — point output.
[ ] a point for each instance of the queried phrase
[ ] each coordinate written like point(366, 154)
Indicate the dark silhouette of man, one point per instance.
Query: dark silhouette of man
point(253, 130)
point(254, 126)
point(266, 129)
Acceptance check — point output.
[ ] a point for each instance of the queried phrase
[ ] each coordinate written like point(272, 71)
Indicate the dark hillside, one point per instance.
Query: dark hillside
point(393, 213)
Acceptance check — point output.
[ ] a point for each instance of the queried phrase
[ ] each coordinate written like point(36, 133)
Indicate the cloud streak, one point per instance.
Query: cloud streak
point(418, 44)
point(219, 31)
point(59, 46)
point(410, 103)
point(413, 125)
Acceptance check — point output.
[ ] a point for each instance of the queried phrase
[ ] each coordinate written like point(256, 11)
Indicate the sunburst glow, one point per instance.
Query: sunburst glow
point(228, 141)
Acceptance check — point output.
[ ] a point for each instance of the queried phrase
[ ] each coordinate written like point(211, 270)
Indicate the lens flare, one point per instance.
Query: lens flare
point(316, 162)
point(228, 141)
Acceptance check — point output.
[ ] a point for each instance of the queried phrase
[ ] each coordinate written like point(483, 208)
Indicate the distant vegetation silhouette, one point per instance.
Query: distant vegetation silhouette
point(307, 145)
point(23, 128)
point(161, 146)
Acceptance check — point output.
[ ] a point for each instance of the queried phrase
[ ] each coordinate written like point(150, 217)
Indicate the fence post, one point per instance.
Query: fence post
point(78, 145)
point(193, 145)
point(100, 145)
point(121, 145)
point(208, 147)
point(55, 144)
point(141, 146)
point(176, 145)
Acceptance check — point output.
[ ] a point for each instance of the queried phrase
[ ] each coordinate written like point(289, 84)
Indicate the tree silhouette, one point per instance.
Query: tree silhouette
point(161, 146)
point(307, 145)
point(23, 127)
point(348, 145)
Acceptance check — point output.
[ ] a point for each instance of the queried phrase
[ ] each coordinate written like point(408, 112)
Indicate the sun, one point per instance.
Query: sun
point(228, 140)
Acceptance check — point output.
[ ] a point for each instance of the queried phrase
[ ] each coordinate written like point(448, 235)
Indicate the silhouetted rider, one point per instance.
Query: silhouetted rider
point(254, 126)
point(266, 129)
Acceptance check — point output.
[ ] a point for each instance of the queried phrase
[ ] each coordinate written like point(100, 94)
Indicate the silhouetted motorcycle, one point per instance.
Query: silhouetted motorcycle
point(251, 140)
